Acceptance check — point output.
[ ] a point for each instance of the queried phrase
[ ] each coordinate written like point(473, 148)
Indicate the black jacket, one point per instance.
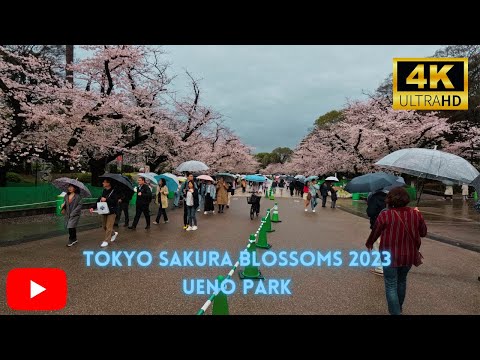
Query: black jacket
point(146, 196)
point(112, 199)
point(375, 204)
point(324, 190)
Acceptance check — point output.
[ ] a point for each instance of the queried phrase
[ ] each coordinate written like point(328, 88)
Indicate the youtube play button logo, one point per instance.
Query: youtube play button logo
point(36, 289)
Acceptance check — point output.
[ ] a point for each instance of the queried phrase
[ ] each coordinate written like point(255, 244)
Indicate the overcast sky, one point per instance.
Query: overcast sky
point(271, 95)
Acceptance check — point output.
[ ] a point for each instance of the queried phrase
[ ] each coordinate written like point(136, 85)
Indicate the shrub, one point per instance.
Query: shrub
point(14, 177)
point(128, 168)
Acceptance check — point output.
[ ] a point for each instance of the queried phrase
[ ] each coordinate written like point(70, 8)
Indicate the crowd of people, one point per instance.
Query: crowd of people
point(395, 227)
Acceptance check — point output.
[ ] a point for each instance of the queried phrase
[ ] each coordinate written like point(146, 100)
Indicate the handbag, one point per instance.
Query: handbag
point(309, 196)
point(418, 256)
point(102, 207)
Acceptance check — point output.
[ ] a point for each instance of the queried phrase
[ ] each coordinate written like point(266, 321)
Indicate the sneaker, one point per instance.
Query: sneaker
point(104, 244)
point(204, 213)
point(195, 227)
point(166, 221)
point(189, 228)
point(306, 210)
point(313, 210)
point(228, 206)
point(114, 236)
point(198, 210)
point(72, 243)
point(377, 272)
point(185, 227)
point(156, 223)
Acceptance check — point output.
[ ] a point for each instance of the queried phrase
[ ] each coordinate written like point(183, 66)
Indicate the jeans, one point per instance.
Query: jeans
point(191, 216)
point(201, 201)
point(395, 287)
point(176, 199)
point(313, 202)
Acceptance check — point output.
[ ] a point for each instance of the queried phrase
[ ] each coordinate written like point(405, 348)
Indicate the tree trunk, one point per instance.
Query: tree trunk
point(3, 176)
point(97, 168)
point(69, 61)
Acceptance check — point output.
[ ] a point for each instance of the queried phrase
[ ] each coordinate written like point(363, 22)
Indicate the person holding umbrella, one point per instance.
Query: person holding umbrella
point(144, 197)
point(110, 196)
point(162, 201)
point(72, 209)
point(72, 204)
point(125, 195)
point(222, 194)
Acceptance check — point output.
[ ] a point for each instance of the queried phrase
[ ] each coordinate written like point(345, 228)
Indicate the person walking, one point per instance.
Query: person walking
point(307, 197)
point(291, 187)
point(400, 229)
point(281, 186)
point(183, 191)
point(72, 209)
point(110, 196)
point(448, 194)
point(191, 201)
point(324, 193)
point(333, 195)
point(124, 198)
point(144, 197)
point(162, 200)
point(312, 188)
point(201, 195)
point(244, 185)
point(376, 204)
point(230, 192)
point(465, 192)
point(222, 195)
point(210, 195)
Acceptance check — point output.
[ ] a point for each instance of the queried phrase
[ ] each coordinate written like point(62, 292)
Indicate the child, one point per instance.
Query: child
point(192, 205)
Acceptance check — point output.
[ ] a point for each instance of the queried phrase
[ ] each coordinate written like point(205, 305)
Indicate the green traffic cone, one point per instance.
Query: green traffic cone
point(272, 197)
point(251, 271)
point(268, 223)
point(262, 242)
point(220, 303)
point(275, 217)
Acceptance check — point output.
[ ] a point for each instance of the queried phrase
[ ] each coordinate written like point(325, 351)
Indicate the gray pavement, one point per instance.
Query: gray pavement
point(445, 284)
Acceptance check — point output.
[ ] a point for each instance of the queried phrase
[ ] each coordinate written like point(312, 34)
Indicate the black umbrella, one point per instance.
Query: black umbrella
point(370, 182)
point(119, 179)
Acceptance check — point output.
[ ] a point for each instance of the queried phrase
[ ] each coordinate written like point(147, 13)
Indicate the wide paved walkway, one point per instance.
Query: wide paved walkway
point(445, 284)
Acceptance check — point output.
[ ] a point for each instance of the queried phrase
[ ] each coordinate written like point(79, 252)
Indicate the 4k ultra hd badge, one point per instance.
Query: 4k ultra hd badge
point(430, 84)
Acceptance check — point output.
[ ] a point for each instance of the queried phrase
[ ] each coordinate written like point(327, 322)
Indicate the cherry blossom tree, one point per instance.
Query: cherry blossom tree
point(370, 130)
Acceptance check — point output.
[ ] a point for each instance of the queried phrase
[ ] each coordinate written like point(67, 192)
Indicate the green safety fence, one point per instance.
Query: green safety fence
point(30, 197)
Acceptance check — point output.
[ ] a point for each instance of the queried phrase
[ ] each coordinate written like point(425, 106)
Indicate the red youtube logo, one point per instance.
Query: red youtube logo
point(36, 289)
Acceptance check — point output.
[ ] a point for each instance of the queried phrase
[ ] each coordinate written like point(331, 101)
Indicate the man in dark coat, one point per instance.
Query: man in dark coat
point(144, 197)
point(375, 204)
point(324, 193)
point(125, 195)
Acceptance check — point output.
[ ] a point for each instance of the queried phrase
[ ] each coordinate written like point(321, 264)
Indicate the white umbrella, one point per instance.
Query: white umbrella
point(331, 178)
point(150, 176)
point(430, 164)
point(192, 165)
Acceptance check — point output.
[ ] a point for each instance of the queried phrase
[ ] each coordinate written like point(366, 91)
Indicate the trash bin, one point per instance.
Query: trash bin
point(355, 196)
point(59, 202)
point(171, 194)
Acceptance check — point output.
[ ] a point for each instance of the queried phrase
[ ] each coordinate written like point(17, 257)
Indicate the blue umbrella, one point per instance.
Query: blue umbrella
point(172, 185)
point(310, 178)
point(255, 178)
